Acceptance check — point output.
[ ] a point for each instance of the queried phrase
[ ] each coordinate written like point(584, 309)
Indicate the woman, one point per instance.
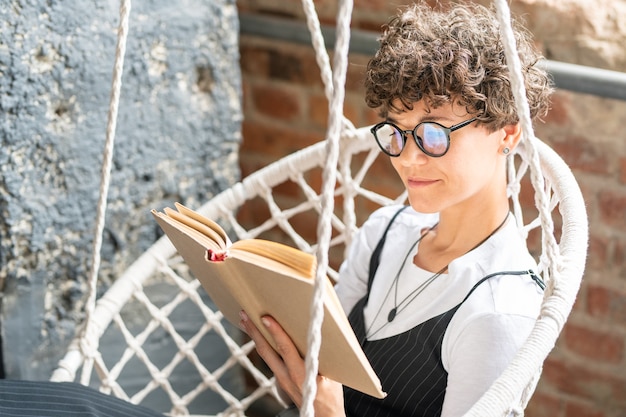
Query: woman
point(454, 296)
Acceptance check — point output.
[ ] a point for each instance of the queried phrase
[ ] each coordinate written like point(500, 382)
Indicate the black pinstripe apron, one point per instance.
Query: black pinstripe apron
point(408, 365)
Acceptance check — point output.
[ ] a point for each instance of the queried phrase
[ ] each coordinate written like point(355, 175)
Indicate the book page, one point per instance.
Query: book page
point(210, 224)
point(183, 224)
point(303, 263)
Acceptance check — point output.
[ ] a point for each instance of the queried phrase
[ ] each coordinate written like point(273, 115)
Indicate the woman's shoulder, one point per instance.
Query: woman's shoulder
point(504, 307)
point(505, 294)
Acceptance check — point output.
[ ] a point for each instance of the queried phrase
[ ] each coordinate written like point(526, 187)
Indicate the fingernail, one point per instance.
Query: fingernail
point(243, 315)
point(265, 322)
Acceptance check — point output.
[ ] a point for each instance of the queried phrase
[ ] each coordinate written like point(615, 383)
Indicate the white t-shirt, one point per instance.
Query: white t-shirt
point(486, 331)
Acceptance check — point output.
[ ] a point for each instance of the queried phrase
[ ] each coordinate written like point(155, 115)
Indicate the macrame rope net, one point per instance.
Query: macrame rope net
point(560, 264)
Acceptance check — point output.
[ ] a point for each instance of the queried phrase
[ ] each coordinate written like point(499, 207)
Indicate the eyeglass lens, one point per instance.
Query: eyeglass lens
point(432, 138)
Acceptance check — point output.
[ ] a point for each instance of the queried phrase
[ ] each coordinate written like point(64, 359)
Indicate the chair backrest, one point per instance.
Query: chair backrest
point(282, 202)
point(512, 391)
point(118, 345)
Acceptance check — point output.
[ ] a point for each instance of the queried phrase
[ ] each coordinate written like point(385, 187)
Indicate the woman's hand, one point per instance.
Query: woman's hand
point(289, 368)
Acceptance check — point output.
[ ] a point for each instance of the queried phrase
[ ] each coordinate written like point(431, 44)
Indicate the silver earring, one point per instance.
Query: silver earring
point(506, 151)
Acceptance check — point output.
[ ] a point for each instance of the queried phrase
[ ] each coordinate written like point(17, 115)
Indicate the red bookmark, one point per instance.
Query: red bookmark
point(216, 256)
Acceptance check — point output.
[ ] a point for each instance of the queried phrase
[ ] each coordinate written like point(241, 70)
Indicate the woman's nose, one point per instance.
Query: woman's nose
point(411, 153)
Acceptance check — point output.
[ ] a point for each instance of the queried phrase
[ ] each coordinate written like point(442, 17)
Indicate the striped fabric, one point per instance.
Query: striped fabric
point(62, 399)
point(409, 367)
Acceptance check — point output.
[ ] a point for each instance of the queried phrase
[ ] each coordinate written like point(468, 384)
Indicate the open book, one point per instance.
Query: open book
point(268, 278)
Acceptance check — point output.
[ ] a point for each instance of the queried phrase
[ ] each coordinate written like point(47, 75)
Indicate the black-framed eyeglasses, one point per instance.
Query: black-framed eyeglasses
point(431, 137)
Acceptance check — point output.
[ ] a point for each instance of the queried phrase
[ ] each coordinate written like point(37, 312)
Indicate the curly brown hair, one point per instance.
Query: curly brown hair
point(453, 56)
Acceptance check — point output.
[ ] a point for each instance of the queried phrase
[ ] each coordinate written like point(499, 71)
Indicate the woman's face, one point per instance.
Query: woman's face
point(468, 176)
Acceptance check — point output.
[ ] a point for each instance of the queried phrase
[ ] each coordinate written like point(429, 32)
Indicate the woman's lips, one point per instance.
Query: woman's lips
point(420, 182)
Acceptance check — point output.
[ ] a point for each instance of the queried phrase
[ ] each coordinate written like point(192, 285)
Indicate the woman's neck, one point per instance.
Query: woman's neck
point(459, 232)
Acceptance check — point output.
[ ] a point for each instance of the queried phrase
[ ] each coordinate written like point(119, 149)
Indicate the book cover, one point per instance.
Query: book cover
point(268, 278)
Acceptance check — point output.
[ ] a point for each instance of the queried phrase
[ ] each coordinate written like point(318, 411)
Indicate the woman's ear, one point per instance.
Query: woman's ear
point(512, 136)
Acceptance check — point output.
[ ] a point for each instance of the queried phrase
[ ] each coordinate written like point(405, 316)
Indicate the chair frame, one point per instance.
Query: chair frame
point(516, 384)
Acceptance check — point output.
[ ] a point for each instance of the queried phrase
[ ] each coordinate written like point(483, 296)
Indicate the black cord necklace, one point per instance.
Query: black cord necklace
point(394, 311)
point(398, 306)
point(406, 301)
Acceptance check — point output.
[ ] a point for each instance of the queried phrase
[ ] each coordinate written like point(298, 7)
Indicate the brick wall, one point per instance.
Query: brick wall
point(285, 110)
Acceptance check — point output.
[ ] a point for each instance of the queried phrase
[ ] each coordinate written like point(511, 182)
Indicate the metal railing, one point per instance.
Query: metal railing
point(572, 77)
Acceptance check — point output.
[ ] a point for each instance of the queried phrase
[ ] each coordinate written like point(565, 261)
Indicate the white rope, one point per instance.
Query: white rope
point(523, 111)
point(507, 389)
point(122, 35)
point(324, 227)
point(317, 39)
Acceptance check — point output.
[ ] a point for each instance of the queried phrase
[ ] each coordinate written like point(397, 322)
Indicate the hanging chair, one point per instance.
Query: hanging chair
point(237, 381)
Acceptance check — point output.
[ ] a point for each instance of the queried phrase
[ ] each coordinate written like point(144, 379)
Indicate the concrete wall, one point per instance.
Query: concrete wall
point(177, 140)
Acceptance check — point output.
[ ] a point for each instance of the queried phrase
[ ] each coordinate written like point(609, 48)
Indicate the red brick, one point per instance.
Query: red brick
point(612, 208)
point(318, 110)
point(544, 405)
point(253, 60)
point(622, 170)
point(245, 86)
point(250, 163)
point(582, 154)
point(598, 299)
point(291, 193)
point(559, 110)
point(351, 112)
point(380, 176)
point(355, 74)
point(279, 60)
point(585, 384)
point(326, 10)
point(253, 212)
point(533, 241)
point(353, 109)
point(276, 102)
point(306, 225)
point(299, 68)
point(527, 197)
point(284, 9)
point(619, 254)
point(580, 409)
point(371, 116)
point(372, 5)
point(265, 143)
point(382, 10)
point(597, 252)
point(607, 304)
point(593, 344)
point(579, 303)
